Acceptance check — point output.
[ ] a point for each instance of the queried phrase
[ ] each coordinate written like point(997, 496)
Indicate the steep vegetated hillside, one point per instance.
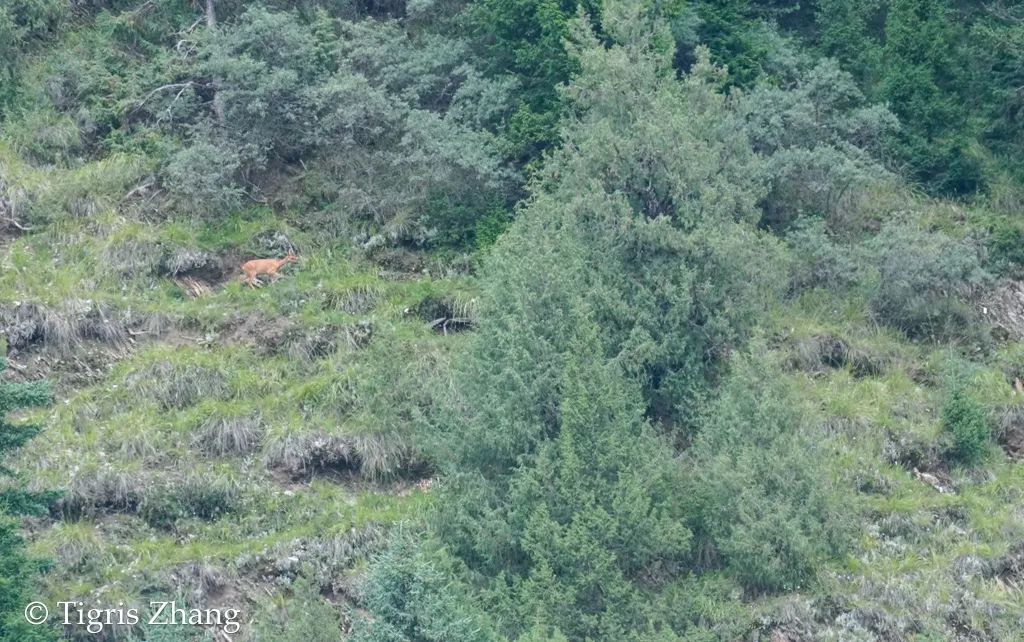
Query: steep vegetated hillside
point(675, 321)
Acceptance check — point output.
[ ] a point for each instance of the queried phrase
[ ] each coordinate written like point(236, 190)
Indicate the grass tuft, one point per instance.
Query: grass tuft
point(222, 436)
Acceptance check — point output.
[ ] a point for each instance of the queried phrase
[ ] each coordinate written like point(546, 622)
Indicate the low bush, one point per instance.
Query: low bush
point(818, 261)
point(204, 179)
point(917, 280)
point(179, 385)
point(101, 488)
point(1006, 249)
point(965, 420)
point(202, 498)
point(303, 617)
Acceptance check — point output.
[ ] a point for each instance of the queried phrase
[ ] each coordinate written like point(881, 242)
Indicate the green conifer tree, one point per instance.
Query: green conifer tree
point(597, 509)
point(922, 82)
point(16, 567)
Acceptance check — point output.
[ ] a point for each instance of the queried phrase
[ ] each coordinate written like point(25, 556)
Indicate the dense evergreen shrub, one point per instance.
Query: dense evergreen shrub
point(925, 82)
point(204, 177)
point(824, 144)
point(17, 568)
point(1006, 249)
point(966, 422)
point(818, 260)
point(24, 24)
point(760, 501)
point(409, 596)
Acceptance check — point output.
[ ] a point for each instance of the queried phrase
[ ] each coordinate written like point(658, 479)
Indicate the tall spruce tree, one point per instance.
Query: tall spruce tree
point(843, 32)
point(923, 81)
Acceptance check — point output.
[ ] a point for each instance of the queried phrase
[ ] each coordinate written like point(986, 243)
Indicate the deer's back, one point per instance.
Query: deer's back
point(259, 265)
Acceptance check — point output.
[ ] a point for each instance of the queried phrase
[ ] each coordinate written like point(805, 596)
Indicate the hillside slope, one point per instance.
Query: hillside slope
point(590, 337)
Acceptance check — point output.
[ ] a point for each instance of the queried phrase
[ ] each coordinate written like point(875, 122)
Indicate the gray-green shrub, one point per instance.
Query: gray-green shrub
point(918, 279)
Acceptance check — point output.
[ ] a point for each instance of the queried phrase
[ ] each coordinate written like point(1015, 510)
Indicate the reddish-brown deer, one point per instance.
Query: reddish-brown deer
point(256, 267)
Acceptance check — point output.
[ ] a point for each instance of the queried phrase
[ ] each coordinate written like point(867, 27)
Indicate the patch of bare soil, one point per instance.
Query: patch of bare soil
point(447, 315)
point(7, 234)
point(86, 367)
point(1013, 442)
point(1010, 434)
point(193, 288)
point(258, 331)
point(400, 262)
point(1009, 569)
point(820, 353)
point(188, 262)
point(910, 452)
point(1003, 307)
point(75, 344)
point(199, 273)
